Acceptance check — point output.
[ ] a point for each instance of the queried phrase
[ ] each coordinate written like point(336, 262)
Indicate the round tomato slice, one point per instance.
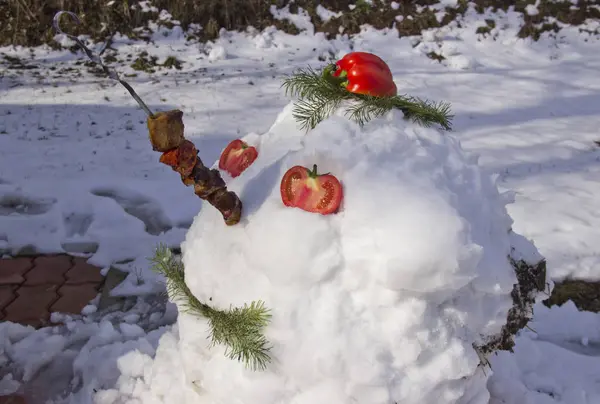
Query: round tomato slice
point(237, 157)
point(309, 191)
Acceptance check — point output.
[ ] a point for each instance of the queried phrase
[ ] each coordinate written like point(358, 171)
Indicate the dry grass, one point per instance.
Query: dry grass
point(584, 294)
point(28, 22)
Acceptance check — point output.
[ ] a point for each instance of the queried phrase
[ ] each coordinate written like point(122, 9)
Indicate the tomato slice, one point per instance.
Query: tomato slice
point(307, 190)
point(237, 157)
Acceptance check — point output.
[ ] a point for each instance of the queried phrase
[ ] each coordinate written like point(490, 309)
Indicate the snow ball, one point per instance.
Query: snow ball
point(325, 15)
point(133, 318)
point(89, 309)
point(134, 363)
point(461, 62)
point(531, 9)
point(131, 330)
point(217, 52)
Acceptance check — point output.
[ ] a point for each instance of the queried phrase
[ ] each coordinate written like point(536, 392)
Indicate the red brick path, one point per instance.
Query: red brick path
point(32, 288)
point(12, 400)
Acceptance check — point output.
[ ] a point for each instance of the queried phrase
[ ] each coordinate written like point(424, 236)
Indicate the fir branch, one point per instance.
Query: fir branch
point(307, 83)
point(424, 113)
point(309, 112)
point(240, 330)
point(369, 108)
point(319, 95)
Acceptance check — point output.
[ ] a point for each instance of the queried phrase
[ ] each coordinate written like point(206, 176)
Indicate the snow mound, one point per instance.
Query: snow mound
point(72, 362)
point(377, 304)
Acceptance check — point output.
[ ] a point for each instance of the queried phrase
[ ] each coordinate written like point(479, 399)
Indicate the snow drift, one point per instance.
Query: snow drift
point(380, 303)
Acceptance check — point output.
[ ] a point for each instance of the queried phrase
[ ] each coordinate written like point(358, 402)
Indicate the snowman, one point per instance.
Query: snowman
point(384, 255)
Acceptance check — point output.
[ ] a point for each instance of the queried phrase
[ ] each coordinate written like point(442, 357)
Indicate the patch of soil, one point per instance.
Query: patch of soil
point(585, 295)
point(29, 22)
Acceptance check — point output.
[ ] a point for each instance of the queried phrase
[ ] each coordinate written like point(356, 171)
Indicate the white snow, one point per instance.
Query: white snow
point(552, 364)
point(217, 53)
point(531, 9)
point(301, 19)
point(146, 7)
point(75, 164)
point(325, 14)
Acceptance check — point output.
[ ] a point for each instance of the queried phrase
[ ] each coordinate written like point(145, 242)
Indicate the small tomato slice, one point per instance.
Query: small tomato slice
point(237, 157)
point(309, 191)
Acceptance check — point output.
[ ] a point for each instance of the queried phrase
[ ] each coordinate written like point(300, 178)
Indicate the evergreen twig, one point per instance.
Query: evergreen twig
point(310, 112)
point(239, 329)
point(318, 97)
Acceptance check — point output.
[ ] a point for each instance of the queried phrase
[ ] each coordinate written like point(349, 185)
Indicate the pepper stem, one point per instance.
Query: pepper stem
point(341, 79)
point(329, 74)
point(329, 70)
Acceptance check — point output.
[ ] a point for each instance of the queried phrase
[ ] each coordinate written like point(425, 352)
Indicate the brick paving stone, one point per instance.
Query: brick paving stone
point(82, 272)
point(7, 295)
point(31, 305)
point(12, 270)
point(73, 298)
point(48, 270)
point(12, 400)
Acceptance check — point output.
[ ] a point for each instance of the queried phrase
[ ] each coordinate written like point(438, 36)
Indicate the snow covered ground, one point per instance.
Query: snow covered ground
point(77, 172)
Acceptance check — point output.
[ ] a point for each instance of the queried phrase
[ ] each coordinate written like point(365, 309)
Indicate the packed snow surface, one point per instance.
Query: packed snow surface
point(378, 303)
point(77, 174)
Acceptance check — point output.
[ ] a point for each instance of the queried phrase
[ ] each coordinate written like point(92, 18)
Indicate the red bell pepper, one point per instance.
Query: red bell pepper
point(366, 73)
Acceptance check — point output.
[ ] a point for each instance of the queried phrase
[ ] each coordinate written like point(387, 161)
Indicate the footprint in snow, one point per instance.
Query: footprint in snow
point(16, 203)
point(77, 223)
point(140, 207)
point(584, 347)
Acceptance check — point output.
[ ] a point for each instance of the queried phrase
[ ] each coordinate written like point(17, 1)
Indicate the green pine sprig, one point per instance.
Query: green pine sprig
point(319, 95)
point(318, 98)
point(309, 112)
point(239, 329)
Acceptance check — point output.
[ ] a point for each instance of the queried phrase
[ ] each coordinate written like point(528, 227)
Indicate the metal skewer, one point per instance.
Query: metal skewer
point(110, 73)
